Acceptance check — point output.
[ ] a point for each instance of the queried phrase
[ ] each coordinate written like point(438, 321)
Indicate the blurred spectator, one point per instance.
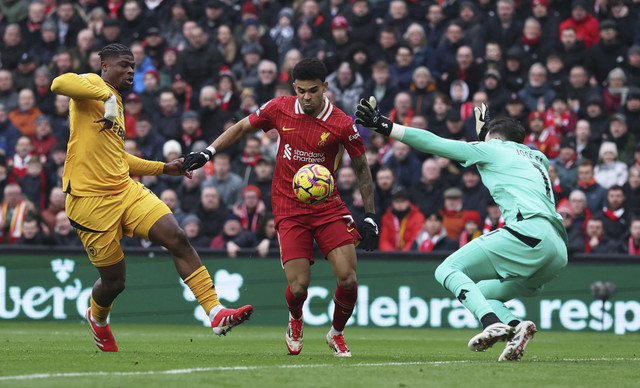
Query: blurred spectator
point(43, 140)
point(404, 163)
point(25, 115)
point(191, 131)
point(32, 24)
point(31, 233)
point(134, 25)
point(579, 92)
point(190, 193)
point(444, 57)
point(12, 47)
point(211, 116)
point(598, 119)
point(282, 32)
point(226, 45)
point(631, 110)
point(339, 45)
point(571, 50)
point(12, 214)
point(397, 16)
point(516, 109)
point(504, 28)
point(228, 95)
point(143, 63)
point(541, 138)
point(8, 95)
point(200, 62)
point(537, 94)
point(596, 195)
point(63, 234)
point(625, 141)
point(151, 94)
point(632, 190)
point(24, 73)
point(549, 21)
point(191, 225)
point(497, 93)
point(262, 240)
point(246, 70)
point(585, 146)
point(60, 118)
point(417, 42)
point(132, 110)
point(9, 134)
point(433, 236)
point(494, 219)
point(291, 57)
point(426, 193)
point(215, 13)
point(471, 228)
point(465, 69)
point(385, 187)
point(559, 189)
point(231, 229)
point(169, 67)
point(81, 51)
point(264, 178)
point(632, 246)
point(402, 111)
point(45, 98)
point(475, 195)
point(580, 212)
point(566, 163)
point(228, 184)
point(631, 66)
point(400, 224)
point(607, 54)
point(68, 21)
point(532, 44)
point(583, 22)
point(250, 208)
point(381, 86)
point(594, 240)
point(616, 91)
point(150, 143)
point(422, 90)
point(346, 183)
point(21, 157)
point(559, 119)
point(615, 216)
point(453, 212)
point(55, 164)
point(57, 199)
point(455, 127)
point(155, 45)
point(346, 85)
point(515, 72)
point(170, 198)
point(610, 171)
point(557, 75)
point(267, 81)
point(401, 69)
point(212, 212)
point(310, 13)
point(111, 33)
point(169, 117)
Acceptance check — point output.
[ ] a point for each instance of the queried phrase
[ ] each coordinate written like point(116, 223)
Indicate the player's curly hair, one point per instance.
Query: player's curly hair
point(309, 69)
point(507, 128)
point(114, 50)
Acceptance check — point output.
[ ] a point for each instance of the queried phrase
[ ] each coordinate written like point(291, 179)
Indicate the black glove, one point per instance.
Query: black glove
point(369, 241)
point(482, 121)
point(369, 116)
point(195, 160)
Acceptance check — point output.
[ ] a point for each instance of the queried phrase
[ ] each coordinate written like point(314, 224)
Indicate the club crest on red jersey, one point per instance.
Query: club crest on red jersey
point(323, 138)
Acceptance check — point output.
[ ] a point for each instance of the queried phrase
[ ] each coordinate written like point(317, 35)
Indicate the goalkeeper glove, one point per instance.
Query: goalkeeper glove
point(482, 121)
point(369, 241)
point(195, 160)
point(111, 108)
point(368, 115)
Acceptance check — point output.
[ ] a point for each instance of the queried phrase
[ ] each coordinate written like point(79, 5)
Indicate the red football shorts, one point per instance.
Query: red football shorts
point(331, 229)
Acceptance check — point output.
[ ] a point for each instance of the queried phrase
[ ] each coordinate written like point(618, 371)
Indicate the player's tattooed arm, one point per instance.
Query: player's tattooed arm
point(365, 182)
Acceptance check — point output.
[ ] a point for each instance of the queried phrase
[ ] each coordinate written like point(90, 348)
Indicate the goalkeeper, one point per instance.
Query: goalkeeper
point(514, 261)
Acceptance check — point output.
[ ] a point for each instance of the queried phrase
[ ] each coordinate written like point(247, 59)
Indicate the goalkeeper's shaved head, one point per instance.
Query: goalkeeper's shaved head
point(507, 129)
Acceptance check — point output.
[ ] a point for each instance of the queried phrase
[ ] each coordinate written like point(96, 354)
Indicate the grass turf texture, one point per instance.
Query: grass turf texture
point(192, 356)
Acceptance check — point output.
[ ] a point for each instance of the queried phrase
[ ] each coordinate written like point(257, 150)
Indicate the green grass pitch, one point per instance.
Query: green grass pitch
point(64, 355)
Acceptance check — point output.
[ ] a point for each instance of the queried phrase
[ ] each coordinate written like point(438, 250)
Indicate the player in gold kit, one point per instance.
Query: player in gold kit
point(103, 202)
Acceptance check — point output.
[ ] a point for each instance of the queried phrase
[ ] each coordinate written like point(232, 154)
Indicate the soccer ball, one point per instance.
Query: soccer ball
point(313, 183)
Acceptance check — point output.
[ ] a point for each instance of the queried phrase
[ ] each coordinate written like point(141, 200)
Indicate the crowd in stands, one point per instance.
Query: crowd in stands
point(568, 71)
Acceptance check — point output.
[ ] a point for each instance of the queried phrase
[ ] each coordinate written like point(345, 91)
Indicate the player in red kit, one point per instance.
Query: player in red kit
point(311, 130)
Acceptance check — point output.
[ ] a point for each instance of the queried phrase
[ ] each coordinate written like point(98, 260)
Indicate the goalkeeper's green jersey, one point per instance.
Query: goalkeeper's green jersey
point(517, 176)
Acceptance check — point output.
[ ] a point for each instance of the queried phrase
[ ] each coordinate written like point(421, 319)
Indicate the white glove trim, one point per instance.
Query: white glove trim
point(111, 108)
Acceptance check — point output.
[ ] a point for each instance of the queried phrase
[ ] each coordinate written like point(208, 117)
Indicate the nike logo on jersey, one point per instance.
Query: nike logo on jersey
point(349, 230)
point(287, 129)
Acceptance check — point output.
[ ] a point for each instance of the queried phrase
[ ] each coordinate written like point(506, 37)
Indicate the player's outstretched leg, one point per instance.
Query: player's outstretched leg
point(102, 335)
point(515, 347)
point(223, 319)
point(293, 336)
point(497, 332)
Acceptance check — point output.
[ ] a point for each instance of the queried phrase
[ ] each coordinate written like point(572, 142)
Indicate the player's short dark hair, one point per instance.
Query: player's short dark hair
point(309, 69)
point(114, 50)
point(508, 129)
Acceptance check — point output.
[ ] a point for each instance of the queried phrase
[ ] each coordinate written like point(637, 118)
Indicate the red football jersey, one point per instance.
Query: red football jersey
point(305, 139)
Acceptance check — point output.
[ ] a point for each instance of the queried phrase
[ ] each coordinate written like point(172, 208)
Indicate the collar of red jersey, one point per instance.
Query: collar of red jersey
point(323, 115)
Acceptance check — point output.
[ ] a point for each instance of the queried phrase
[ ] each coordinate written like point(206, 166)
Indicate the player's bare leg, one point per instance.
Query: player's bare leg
point(298, 272)
point(105, 290)
point(343, 262)
point(167, 233)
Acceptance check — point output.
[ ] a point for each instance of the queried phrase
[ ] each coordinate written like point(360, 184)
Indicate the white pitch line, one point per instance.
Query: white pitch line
point(246, 368)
